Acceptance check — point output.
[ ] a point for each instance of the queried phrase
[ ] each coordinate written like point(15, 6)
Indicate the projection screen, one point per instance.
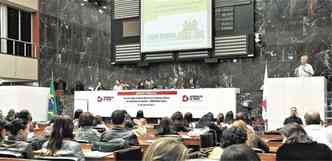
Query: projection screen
point(174, 25)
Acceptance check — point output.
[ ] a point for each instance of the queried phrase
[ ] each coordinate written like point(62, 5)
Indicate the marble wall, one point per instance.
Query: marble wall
point(76, 46)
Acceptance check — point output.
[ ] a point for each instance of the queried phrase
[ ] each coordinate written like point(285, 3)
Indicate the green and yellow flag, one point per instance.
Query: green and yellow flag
point(52, 102)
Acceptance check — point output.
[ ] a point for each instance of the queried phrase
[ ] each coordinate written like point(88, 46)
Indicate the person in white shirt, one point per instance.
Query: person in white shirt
point(305, 69)
point(315, 130)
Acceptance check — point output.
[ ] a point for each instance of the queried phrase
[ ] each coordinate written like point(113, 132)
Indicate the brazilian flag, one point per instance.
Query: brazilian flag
point(53, 106)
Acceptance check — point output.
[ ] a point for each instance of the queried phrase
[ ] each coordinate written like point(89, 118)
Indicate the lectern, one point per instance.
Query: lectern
point(307, 94)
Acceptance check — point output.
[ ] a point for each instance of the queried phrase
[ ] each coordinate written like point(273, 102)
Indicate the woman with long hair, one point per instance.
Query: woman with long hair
point(299, 146)
point(253, 141)
point(229, 118)
point(166, 149)
point(61, 141)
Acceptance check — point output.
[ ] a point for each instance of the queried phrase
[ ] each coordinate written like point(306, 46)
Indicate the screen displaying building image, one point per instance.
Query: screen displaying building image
point(170, 25)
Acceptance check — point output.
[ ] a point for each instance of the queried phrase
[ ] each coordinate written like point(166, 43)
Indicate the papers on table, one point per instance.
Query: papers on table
point(96, 154)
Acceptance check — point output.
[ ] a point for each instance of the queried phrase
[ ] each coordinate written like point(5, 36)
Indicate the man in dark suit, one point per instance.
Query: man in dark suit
point(293, 118)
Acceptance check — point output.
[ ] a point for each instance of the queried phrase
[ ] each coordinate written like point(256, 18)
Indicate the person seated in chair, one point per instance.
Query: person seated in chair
point(86, 131)
point(119, 130)
point(230, 136)
point(293, 118)
point(16, 141)
point(299, 146)
point(239, 152)
point(166, 149)
point(60, 143)
point(178, 122)
point(165, 127)
point(2, 131)
point(253, 141)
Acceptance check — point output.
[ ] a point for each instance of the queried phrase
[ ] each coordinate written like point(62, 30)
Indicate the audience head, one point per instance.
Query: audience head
point(294, 133)
point(312, 118)
point(239, 153)
point(243, 125)
point(241, 116)
point(220, 118)
point(210, 116)
point(233, 135)
point(140, 114)
point(229, 118)
point(77, 113)
point(293, 111)
point(18, 130)
point(3, 125)
point(118, 117)
point(62, 129)
point(11, 115)
point(25, 116)
point(165, 123)
point(166, 149)
point(204, 121)
point(177, 116)
point(188, 117)
point(86, 119)
point(99, 120)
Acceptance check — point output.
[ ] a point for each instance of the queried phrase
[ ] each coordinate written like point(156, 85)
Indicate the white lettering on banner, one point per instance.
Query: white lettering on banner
point(159, 103)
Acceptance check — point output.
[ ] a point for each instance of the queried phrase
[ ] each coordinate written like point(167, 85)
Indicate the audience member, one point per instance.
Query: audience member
point(140, 114)
point(11, 115)
point(253, 141)
point(17, 139)
point(140, 129)
point(2, 131)
point(221, 120)
point(119, 130)
point(77, 114)
point(140, 119)
point(239, 153)
point(86, 131)
point(48, 130)
point(315, 130)
point(26, 117)
point(242, 116)
point(233, 135)
point(299, 146)
point(166, 149)
point(165, 127)
point(229, 118)
point(208, 121)
point(293, 118)
point(129, 123)
point(99, 122)
point(178, 122)
point(230, 136)
point(61, 141)
point(188, 120)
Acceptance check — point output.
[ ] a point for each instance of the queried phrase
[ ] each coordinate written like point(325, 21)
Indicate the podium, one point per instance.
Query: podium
point(307, 94)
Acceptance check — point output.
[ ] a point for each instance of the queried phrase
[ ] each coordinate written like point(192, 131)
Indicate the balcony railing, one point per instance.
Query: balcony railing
point(17, 47)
